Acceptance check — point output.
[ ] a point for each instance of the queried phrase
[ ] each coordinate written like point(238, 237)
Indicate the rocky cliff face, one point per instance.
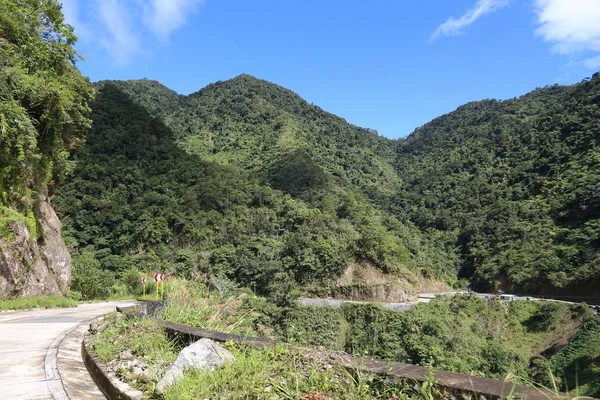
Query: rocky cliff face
point(30, 267)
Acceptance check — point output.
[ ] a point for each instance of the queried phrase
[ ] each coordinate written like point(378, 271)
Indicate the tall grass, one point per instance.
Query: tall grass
point(194, 305)
point(141, 339)
point(278, 373)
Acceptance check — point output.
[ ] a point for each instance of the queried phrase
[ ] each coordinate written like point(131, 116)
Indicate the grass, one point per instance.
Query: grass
point(492, 339)
point(194, 305)
point(23, 303)
point(272, 373)
point(140, 339)
point(278, 373)
point(521, 334)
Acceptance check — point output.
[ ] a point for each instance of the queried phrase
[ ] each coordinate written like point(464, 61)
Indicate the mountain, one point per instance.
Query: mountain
point(267, 129)
point(498, 194)
point(517, 184)
point(140, 197)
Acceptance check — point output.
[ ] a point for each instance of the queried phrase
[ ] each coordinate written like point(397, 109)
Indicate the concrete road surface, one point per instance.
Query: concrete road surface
point(338, 303)
point(25, 338)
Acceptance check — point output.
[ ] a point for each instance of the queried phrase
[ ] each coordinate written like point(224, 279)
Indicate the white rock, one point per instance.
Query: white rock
point(204, 354)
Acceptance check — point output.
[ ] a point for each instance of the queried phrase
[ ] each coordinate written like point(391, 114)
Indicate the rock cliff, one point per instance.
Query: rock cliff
point(30, 266)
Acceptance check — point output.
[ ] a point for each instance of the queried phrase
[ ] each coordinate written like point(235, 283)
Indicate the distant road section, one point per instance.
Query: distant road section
point(427, 297)
point(338, 303)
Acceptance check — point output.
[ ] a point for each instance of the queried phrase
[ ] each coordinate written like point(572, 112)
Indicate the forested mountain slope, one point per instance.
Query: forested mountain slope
point(517, 183)
point(138, 200)
point(267, 129)
point(502, 193)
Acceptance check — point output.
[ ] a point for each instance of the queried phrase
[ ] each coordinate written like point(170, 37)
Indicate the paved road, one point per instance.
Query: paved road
point(25, 338)
point(338, 303)
point(426, 297)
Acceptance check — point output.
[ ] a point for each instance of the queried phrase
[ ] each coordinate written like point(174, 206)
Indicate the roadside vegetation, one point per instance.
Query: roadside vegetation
point(279, 373)
point(136, 350)
point(23, 303)
point(139, 353)
point(520, 341)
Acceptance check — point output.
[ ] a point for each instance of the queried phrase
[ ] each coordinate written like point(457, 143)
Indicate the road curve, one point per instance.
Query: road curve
point(25, 338)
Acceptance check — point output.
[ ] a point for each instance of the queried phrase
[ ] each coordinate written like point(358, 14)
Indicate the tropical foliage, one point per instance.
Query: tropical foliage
point(44, 111)
point(504, 192)
point(515, 183)
point(139, 200)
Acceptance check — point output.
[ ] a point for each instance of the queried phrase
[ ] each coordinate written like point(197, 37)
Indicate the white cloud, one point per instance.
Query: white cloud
point(125, 28)
point(118, 38)
point(70, 9)
point(454, 26)
point(572, 27)
point(164, 16)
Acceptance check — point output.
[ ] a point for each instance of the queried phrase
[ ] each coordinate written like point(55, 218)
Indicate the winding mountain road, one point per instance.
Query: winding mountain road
point(29, 352)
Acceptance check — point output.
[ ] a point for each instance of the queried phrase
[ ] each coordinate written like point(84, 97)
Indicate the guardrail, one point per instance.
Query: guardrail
point(453, 383)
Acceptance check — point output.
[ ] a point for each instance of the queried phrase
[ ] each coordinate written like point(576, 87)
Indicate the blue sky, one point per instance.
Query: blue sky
point(390, 65)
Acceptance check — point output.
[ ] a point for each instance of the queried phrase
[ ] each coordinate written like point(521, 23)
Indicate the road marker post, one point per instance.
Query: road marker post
point(144, 286)
point(158, 278)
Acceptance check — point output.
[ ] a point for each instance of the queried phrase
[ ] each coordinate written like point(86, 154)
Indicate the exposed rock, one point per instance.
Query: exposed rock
point(126, 355)
point(98, 325)
point(126, 365)
point(30, 266)
point(204, 354)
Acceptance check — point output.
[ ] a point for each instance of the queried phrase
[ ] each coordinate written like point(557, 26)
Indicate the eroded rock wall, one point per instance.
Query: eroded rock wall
point(30, 266)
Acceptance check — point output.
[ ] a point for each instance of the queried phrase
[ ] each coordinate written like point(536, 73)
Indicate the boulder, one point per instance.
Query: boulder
point(204, 354)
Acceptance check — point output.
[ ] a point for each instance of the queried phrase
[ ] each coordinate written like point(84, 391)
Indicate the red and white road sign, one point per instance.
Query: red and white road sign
point(159, 277)
point(144, 280)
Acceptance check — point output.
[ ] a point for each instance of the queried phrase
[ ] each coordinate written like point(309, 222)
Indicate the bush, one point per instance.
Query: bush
point(315, 326)
point(88, 277)
point(132, 280)
point(74, 295)
point(547, 318)
point(222, 285)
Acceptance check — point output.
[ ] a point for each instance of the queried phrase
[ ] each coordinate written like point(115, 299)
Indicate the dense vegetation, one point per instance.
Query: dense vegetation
point(44, 111)
point(515, 183)
point(269, 130)
point(140, 352)
point(247, 180)
point(245, 184)
point(551, 344)
point(497, 340)
point(137, 200)
point(501, 193)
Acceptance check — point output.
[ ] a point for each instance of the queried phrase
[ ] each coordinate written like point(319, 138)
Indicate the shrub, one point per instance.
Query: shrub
point(88, 277)
point(546, 318)
point(132, 279)
point(74, 295)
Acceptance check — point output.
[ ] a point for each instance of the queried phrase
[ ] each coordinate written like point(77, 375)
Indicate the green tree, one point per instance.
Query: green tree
point(44, 111)
point(89, 278)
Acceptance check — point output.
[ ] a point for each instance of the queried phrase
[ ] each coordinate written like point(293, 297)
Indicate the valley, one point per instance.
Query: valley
point(271, 217)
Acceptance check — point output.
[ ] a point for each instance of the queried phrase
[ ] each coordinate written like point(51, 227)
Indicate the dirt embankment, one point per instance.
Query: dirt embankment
point(364, 282)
